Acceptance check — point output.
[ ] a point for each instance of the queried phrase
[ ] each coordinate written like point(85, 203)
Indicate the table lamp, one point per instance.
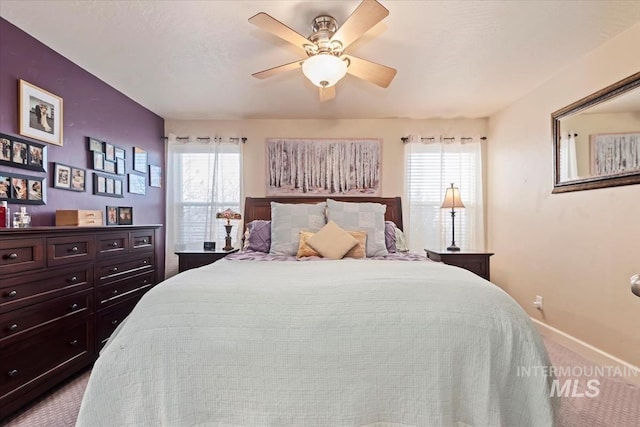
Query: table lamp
point(452, 200)
point(228, 214)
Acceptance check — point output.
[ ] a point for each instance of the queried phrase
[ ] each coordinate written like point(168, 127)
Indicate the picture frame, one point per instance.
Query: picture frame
point(120, 166)
point(109, 152)
point(109, 166)
point(22, 189)
point(95, 144)
point(125, 215)
point(137, 184)
point(155, 176)
point(119, 153)
point(106, 185)
point(40, 114)
point(22, 153)
point(614, 153)
point(70, 178)
point(118, 188)
point(139, 160)
point(111, 217)
point(98, 160)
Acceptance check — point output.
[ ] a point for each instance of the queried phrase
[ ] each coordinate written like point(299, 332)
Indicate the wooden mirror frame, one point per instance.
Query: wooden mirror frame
point(610, 92)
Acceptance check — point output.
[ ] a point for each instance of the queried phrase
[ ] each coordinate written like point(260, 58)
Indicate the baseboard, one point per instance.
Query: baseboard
point(588, 351)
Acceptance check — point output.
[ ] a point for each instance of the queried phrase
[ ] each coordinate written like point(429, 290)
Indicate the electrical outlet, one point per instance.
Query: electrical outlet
point(538, 302)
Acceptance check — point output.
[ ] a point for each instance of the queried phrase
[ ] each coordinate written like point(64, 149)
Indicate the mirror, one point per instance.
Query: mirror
point(596, 140)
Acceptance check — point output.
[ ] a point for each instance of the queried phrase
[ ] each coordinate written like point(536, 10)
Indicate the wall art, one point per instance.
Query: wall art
point(21, 153)
point(105, 185)
point(22, 189)
point(67, 177)
point(137, 184)
point(40, 114)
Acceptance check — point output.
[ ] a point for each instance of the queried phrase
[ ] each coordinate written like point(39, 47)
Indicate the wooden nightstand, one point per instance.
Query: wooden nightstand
point(193, 258)
point(476, 262)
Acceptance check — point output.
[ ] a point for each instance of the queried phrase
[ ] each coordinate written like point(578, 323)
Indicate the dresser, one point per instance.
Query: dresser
point(475, 261)
point(63, 291)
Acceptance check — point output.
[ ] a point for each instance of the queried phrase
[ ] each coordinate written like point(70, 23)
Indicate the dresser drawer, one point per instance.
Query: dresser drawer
point(112, 244)
point(116, 291)
point(67, 250)
point(28, 363)
point(21, 255)
point(82, 218)
point(13, 323)
point(111, 271)
point(142, 240)
point(33, 288)
point(107, 320)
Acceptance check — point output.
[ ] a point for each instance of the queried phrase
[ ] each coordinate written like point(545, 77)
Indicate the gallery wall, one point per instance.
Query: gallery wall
point(577, 249)
point(91, 108)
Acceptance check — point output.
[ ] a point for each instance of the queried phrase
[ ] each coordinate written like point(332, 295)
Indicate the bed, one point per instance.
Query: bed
point(391, 341)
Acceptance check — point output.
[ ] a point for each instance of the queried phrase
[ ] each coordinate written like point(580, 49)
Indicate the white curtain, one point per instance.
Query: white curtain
point(568, 159)
point(204, 176)
point(432, 165)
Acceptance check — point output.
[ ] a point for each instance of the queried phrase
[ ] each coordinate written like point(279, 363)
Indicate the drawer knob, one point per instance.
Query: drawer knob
point(114, 322)
point(12, 293)
point(73, 306)
point(13, 327)
point(114, 292)
point(145, 281)
point(114, 269)
point(144, 262)
point(74, 249)
point(13, 372)
point(12, 255)
point(114, 244)
point(74, 342)
point(73, 279)
point(144, 241)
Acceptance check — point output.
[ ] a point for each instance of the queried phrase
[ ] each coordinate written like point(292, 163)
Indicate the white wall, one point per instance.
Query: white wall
point(578, 249)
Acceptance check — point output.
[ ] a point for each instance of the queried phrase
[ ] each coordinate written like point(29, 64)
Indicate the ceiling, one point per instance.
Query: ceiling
point(194, 59)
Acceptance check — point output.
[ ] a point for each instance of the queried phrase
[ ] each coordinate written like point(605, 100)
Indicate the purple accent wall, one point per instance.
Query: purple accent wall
point(91, 108)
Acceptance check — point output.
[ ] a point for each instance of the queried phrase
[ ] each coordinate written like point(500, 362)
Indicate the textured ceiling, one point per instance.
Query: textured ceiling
point(194, 59)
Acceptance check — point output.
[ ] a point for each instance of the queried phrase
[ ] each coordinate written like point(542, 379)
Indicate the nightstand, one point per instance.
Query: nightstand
point(476, 262)
point(188, 258)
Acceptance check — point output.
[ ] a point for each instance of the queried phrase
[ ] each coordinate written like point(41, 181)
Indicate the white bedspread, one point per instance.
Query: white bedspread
point(333, 343)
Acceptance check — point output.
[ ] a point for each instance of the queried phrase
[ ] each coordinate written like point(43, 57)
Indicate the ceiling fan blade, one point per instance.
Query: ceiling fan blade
point(367, 14)
point(380, 75)
point(327, 93)
point(277, 70)
point(269, 23)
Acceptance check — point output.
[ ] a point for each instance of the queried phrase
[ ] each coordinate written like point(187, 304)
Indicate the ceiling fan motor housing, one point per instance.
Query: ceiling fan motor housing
point(324, 27)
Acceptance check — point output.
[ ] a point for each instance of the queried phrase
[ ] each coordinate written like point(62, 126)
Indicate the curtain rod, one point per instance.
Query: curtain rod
point(208, 138)
point(405, 139)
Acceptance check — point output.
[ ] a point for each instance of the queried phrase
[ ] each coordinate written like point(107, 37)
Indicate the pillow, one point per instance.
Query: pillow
point(368, 217)
point(332, 241)
point(288, 219)
point(401, 241)
point(358, 251)
point(258, 236)
point(390, 236)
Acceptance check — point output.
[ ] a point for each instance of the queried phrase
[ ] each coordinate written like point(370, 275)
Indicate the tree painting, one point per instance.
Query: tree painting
point(316, 166)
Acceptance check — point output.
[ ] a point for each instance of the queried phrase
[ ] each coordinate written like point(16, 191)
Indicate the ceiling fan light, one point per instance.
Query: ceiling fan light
point(324, 70)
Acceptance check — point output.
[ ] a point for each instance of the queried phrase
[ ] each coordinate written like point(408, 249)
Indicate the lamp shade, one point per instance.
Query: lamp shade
point(452, 198)
point(228, 214)
point(324, 69)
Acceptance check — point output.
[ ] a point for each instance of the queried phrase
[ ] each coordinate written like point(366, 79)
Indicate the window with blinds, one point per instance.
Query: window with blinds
point(430, 169)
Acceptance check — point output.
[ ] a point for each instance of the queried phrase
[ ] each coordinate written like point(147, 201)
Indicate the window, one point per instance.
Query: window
point(429, 170)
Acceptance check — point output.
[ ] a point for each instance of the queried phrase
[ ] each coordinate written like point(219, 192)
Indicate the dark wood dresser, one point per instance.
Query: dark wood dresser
point(474, 261)
point(63, 290)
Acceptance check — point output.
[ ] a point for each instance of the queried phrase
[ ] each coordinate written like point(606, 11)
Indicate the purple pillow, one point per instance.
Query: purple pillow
point(390, 236)
point(259, 236)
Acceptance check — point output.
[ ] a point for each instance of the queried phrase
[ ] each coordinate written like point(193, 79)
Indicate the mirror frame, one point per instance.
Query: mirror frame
point(610, 92)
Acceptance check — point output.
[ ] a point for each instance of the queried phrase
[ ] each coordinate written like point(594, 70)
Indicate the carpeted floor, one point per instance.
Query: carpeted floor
point(617, 404)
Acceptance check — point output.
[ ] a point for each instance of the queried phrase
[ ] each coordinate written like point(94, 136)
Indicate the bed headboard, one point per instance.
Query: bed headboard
point(260, 207)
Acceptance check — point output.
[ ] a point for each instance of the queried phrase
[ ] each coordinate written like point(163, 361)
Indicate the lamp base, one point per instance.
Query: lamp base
point(453, 248)
point(227, 239)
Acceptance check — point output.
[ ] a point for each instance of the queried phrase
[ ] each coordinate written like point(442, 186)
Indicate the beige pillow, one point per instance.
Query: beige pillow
point(332, 241)
point(304, 250)
point(360, 250)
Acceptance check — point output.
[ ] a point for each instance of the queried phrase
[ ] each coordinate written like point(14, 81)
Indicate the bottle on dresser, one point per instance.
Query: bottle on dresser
point(5, 216)
point(21, 219)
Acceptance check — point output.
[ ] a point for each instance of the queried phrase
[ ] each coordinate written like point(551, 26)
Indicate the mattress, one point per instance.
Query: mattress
point(331, 343)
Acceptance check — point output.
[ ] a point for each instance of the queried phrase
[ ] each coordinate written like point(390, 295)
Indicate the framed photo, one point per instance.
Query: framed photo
point(104, 185)
point(137, 184)
point(22, 189)
point(40, 114)
point(155, 174)
point(61, 176)
point(119, 153)
point(117, 187)
point(120, 166)
point(112, 215)
point(125, 215)
point(78, 179)
point(109, 152)
point(109, 166)
point(22, 153)
point(139, 160)
point(95, 144)
point(98, 160)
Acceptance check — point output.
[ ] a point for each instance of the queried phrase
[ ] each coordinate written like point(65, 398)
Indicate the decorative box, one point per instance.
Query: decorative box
point(81, 218)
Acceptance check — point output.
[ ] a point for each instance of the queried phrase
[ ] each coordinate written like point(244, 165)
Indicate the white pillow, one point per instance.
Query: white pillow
point(288, 219)
point(364, 216)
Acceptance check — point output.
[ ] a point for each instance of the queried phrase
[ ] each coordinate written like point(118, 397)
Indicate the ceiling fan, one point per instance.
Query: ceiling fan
point(326, 61)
